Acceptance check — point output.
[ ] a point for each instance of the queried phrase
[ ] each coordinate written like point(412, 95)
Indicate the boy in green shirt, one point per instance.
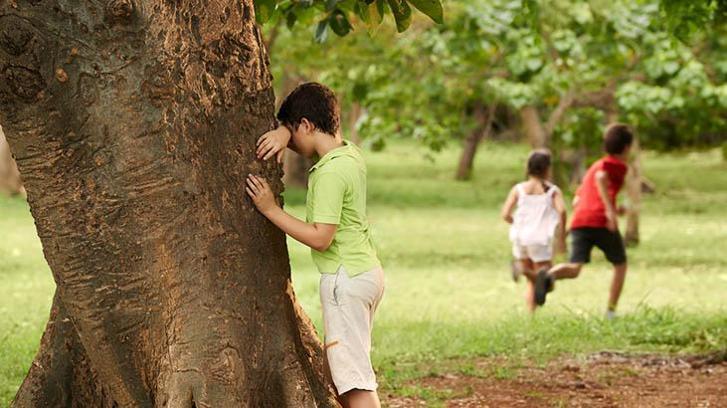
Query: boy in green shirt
point(337, 231)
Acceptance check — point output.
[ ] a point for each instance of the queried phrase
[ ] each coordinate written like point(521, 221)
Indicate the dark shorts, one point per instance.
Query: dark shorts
point(584, 239)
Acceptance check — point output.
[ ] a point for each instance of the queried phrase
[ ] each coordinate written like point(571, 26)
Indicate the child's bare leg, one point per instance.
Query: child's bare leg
point(529, 273)
point(565, 271)
point(528, 268)
point(617, 284)
point(360, 399)
point(541, 265)
point(530, 295)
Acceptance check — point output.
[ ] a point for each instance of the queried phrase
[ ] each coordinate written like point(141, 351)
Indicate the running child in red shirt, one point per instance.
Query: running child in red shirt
point(595, 219)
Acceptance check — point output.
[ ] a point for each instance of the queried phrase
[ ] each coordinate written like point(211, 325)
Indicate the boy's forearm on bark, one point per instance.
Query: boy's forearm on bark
point(312, 235)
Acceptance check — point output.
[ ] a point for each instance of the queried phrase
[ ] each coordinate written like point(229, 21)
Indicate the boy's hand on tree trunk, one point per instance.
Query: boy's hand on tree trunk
point(261, 193)
point(273, 143)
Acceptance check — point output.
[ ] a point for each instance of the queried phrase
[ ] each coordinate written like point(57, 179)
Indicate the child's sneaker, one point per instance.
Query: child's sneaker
point(543, 285)
point(610, 314)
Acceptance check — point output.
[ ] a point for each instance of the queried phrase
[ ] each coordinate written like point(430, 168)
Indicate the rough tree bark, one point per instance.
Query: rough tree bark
point(133, 123)
point(484, 118)
point(9, 176)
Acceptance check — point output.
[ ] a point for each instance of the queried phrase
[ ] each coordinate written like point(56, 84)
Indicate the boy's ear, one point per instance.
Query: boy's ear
point(307, 126)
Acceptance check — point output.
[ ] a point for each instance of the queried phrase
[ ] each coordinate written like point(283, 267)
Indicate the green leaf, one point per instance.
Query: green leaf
point(402, 14)
point(331, 4)
point(290, 19)
point(432, 8)
point(359, 91)
point(371, 13)
point(339, 23)
point(264, 9)
point(322, 31)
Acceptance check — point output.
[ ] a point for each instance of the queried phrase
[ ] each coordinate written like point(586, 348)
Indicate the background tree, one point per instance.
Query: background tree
point(134, 125)
point(9, 176)
point(554, 73)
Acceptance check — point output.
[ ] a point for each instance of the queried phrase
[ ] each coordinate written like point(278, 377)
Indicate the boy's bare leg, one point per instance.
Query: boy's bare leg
point(360, 399)
point(565, 271)
point(617, 284)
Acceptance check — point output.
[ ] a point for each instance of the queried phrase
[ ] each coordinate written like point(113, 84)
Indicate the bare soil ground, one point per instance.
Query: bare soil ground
point(604, 379)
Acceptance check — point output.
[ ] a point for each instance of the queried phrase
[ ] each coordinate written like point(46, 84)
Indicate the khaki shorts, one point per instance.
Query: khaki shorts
point(348, 307)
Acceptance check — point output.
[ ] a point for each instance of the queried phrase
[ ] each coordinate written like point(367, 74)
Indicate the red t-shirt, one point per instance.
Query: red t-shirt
point(590, 211)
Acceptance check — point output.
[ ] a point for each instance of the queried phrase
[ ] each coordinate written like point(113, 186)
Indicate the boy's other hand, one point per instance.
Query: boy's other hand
point(262, 196)
point(622, 210)
point(273, 143)
point(611, 221)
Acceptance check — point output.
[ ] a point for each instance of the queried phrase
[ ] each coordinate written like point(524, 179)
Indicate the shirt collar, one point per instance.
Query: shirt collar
point(337, 152)
point(613, 159)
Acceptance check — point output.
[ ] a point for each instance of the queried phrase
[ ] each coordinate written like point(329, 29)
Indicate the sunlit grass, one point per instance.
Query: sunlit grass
point(446, 256)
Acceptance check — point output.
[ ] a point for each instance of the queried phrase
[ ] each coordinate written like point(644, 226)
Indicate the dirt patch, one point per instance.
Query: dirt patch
point(601, 380)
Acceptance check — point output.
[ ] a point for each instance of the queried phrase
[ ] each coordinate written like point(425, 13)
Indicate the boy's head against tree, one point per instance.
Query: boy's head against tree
point(617, 139)
point(311, 109)
point(539, 164)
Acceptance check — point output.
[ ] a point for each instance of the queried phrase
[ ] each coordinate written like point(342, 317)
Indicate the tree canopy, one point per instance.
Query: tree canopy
point(659, 65)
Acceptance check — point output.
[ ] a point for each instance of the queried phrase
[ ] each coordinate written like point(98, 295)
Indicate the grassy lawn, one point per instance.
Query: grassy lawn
point(449, 296)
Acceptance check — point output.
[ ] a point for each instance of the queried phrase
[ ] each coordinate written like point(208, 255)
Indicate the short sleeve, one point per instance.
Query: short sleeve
point(328, 193)
point(616, 172)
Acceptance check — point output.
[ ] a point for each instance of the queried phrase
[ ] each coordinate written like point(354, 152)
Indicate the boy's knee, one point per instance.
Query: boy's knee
point(576, 268)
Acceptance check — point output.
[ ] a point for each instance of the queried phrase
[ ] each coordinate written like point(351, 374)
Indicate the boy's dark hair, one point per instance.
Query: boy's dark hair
point(315, 102)
point(539, 163)
point(617, 138)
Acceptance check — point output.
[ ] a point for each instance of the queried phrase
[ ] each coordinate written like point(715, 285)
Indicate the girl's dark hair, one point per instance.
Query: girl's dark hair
point(539, 163)
point(312, 101)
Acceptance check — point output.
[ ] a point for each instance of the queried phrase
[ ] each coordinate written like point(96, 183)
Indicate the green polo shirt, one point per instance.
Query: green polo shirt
point(337, 195)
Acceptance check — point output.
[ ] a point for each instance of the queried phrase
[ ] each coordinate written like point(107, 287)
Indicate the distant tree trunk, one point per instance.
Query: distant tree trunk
point(353, 116)
point(633, 192)
point(539, 134)
point(484, 118)
point(296, 168)
point(9, 176)
point(134, 125)
point(533, 127)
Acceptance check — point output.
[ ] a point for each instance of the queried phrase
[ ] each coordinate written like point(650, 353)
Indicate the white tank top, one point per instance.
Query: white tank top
point(535, 218)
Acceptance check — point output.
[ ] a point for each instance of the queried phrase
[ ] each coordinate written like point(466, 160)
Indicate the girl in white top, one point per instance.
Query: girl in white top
point(539, 209)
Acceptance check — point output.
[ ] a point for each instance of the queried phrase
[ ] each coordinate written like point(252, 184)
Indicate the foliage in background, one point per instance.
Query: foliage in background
point(659, 65)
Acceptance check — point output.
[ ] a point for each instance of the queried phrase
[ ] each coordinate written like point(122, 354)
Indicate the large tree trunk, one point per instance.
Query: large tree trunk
point(9, 176)
point(483, 118)
point(134, 124)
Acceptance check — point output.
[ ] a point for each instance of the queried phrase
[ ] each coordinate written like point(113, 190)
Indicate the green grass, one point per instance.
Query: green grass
point(446, 255)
